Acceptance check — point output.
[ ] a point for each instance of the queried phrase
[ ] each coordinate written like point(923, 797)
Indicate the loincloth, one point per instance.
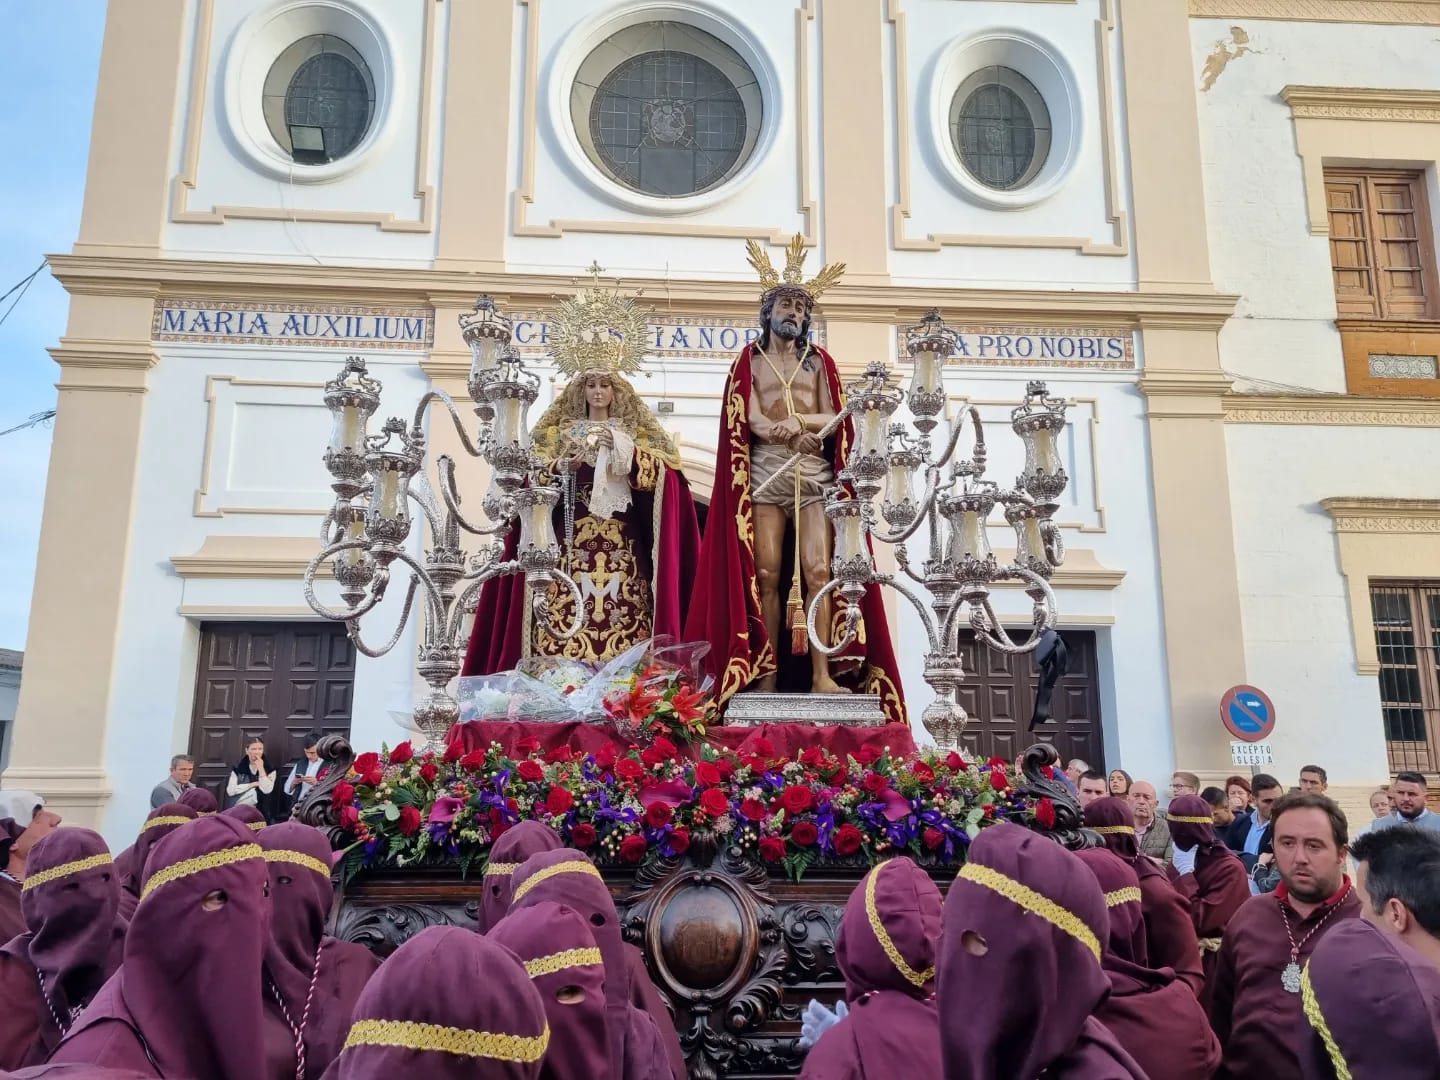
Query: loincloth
point(816, 474)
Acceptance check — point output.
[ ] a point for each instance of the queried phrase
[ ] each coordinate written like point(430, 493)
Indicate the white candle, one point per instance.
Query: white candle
point(509, 428)
point(1047, 456)
point(537, 528)
point(348, 432)
point(484, 354)
point(355, 530)
point(872, 432)
point(897, 484)
point(926, 378)
point(387, 493)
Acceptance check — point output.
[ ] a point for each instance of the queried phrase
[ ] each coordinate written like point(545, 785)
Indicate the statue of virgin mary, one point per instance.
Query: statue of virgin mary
point(626, 519)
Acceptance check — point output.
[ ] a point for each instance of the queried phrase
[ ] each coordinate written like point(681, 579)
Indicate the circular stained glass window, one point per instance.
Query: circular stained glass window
point(666, 109)
point(319, 99)
point(1000, 128)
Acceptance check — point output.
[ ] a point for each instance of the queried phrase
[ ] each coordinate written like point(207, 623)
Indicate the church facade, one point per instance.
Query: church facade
point(1205, 225)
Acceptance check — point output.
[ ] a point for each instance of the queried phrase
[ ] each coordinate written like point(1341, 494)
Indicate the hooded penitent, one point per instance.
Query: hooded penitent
point(247, 815)
point(449, 1004)
point(199, 799)
point(886, 951)
point(160, 823)
point(1219, 885)
point(506, 854)
point(313, 981)
point(1372, 1008)
point(1154, 1015)
point(187, 1001)
point(71, 903)
point(1170, 939)
point(560, 956)
point(566, 877)
point(1019, 966)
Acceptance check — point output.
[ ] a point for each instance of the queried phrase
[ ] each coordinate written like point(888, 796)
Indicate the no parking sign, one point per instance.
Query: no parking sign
point(1247, 713)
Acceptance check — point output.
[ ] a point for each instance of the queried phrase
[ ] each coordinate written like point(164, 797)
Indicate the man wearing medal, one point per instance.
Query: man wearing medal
point(1257, 992)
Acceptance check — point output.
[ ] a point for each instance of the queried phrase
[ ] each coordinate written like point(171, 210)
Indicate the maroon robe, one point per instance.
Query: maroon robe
point(1170, 939)
point(1018, 989)
point(725, 609)
point(507, 853)
point(444, 984)
point(199, 799)
point(1376, 1013)
point(71, 903)
point(1259, 1023)
point(560, 953)
point(1219, 887)
point(637, 1051)
point(187, 1001)
point(892, 1017)
point(159, 823)
point(1155, 1016)
point(318, 978)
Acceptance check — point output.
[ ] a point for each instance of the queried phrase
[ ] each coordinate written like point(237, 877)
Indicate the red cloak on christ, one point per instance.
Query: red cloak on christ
point(725, 608)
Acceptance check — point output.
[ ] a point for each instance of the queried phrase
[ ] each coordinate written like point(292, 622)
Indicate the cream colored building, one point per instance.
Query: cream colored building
point(1128, 198)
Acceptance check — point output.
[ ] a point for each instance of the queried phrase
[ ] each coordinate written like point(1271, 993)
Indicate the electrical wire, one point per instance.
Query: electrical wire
point(23, 285)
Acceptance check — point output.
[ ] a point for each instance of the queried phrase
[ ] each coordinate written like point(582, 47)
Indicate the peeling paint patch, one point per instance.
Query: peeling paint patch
point(1226, 51)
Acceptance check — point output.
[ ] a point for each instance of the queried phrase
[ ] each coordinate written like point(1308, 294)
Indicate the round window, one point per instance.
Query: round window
point(666, 109)
point(319, 99)
point(1000, 128)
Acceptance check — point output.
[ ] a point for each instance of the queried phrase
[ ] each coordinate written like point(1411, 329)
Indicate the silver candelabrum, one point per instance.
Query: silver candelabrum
point(954, 508)
point(373, 480)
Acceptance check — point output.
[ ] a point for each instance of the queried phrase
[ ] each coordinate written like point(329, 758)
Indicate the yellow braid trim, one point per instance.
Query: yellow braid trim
point(299, 858)
point(1113, 830)
point(1317, 1021)
point(1059, 917)
point(1190, 820)
point(79, 866)
point(410, 1035)
point(156, 822)
point(574, 866)
point(501, 869)
point(256, 826)
point(917, 978)
point(214, 860)
point(570, 958)
point(1129, 895)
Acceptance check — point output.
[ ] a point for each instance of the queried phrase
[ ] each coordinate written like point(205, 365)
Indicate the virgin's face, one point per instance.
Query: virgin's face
point(599, 393)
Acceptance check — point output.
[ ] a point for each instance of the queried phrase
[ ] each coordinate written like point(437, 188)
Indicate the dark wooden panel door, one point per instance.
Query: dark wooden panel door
point(999, 696)
point(275, 681)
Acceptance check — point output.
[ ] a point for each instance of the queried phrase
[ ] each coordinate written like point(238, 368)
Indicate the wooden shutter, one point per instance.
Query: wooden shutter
point(1350, 259)
point(1400, 247)
point(1381, 250)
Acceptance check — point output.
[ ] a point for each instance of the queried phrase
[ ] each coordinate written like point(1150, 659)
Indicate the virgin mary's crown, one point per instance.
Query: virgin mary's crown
point(598, 331)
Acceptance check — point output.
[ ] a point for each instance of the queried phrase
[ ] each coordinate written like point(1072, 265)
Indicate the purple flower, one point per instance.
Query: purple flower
point(445, 809)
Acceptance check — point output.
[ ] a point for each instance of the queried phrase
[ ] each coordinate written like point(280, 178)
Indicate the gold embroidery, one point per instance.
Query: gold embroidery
point(570, 958)
point(54, 873)
point(618, 606)
point(1113, 830)
point(1190, 820)
point(501, 869)
point(410, 1035)
point(256, 826)
point(216, 859)
point(917, 978)
point(1211, 944)
point(1129, 895)
point(156, 822)
point(299, 858)
point(573, 866)
point(1317, 1021)
point(1059, 917)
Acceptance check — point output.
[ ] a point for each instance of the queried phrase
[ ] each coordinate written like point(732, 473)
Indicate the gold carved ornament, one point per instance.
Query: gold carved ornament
point(772, 280)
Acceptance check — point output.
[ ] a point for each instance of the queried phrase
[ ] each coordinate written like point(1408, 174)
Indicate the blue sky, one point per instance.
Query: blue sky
point(49, 58)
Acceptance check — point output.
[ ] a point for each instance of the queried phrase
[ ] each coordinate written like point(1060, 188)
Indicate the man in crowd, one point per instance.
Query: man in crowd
point(1076, 769)
point(1151, 832)
point(1255, 1005)
point(1408, 791)
point(1091, 786)
point(305, 773)
point(1397, 874)
point(182, 767)
point(1184, 783)
point(1258, 850)
point(1314, 780)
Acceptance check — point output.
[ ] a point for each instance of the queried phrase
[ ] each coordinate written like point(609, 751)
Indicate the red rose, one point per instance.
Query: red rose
point(665, 748)
point(867, 755)
point(753, 809)
point(650, 757)
point(473, 760)
point(848, 839)
point(812, 756)
point(753, 763)
point(875, 783)
point(922, 772)
point(713, 802)
point(706, 774)
point(772, 848)
point(997, 763)
point(499, 829)
point(342, 794)
point(401, 753)
point(763, 747)
point(409, 821)
point(582, 835)
point(628, 769)
point(657, 815)
point(998, 780)
point(796, 799)
point(632, 848)
point(1045, 813)
point(349, 817)
point(726, 767)
point(680, 841)
point(804, 833)
point(373, 777)
point(429, 771)
point(365, 762)
point(454, 752)
point(606, 755)
point(932, 839)
point(560, 753)
point(530, 771)
point(954, 762)
point(559, 801)
point(527, 745)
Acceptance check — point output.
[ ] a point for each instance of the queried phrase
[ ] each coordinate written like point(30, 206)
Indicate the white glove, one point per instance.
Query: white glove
point(817, 1019)
point(1184, 860)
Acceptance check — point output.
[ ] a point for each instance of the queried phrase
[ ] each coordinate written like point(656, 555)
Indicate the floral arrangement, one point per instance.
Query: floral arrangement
point(628, 806)
point(657, 703)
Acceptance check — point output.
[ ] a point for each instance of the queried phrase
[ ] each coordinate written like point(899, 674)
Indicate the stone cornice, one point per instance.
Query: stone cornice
point(1394, 12)
point(248, 557)
point(1338, 410)
point(1361, 103)
point(1359, 515)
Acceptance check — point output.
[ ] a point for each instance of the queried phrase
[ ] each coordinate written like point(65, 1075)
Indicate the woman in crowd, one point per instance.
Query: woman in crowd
point(1155, 1016)
point(1380, 804)
point(560, 956)
point(160, 823)
point(1025, 913)
point(199, 799)
point(313, 980)
point(1120, 783)
point(1206, 872)
point(1237, 797)
point(886, 952)
point(448, 1005)
point(49, 974)
point(506, 855)
point(188, 998)
point(252, 780)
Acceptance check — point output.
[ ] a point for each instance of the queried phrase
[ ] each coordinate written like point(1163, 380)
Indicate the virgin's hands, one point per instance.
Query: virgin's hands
point(605, 438)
